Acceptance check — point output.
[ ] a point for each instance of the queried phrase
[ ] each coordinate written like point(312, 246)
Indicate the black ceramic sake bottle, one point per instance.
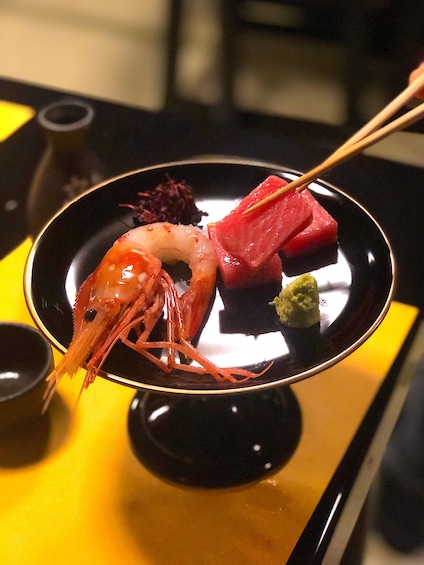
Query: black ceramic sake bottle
point(68, 167)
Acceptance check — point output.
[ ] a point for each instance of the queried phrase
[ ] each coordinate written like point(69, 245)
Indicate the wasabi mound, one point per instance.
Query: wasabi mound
point(297, 305)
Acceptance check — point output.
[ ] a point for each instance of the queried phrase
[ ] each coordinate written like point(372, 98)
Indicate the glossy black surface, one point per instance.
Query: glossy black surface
point(215, 442)
point(355, 282)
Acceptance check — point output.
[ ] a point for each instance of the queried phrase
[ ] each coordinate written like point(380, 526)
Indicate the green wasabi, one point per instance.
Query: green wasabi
point(297, 305)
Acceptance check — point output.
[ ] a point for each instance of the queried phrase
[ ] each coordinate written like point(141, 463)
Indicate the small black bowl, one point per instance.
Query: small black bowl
point(26, 358)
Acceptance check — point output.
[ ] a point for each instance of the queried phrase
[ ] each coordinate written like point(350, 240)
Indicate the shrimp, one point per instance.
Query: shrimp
point(129, 290)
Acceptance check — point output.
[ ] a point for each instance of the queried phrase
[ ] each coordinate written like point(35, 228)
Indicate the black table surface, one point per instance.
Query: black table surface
point(128, 138)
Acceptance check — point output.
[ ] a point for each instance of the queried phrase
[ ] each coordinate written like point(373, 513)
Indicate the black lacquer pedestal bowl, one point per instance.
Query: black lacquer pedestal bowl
point(190, 429)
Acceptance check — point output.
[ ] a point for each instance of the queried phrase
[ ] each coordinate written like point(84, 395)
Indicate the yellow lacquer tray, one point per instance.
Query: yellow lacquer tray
point(73, 492)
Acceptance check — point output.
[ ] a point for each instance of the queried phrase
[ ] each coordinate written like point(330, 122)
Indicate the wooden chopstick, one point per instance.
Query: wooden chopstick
point(368, 135)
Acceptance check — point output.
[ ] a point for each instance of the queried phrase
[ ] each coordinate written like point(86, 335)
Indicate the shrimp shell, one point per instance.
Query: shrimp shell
point(129, 290)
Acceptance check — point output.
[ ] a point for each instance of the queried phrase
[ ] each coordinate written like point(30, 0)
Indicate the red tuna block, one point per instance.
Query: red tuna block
point(254, 238)
point(238, 275)
point(322, 231)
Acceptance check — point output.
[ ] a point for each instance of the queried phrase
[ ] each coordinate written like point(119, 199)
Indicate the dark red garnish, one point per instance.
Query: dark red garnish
point(170, 201)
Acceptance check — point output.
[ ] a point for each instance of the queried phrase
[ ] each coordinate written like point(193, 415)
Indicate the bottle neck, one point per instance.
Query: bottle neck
point(69, 142)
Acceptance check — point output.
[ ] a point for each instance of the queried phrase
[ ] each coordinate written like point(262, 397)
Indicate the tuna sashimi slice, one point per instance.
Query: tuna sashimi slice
point(238, 275)
point(322, 231)
point(254, 238)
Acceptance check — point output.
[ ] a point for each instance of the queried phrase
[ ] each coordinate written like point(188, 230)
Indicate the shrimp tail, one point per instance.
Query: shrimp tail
point(194, 305)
